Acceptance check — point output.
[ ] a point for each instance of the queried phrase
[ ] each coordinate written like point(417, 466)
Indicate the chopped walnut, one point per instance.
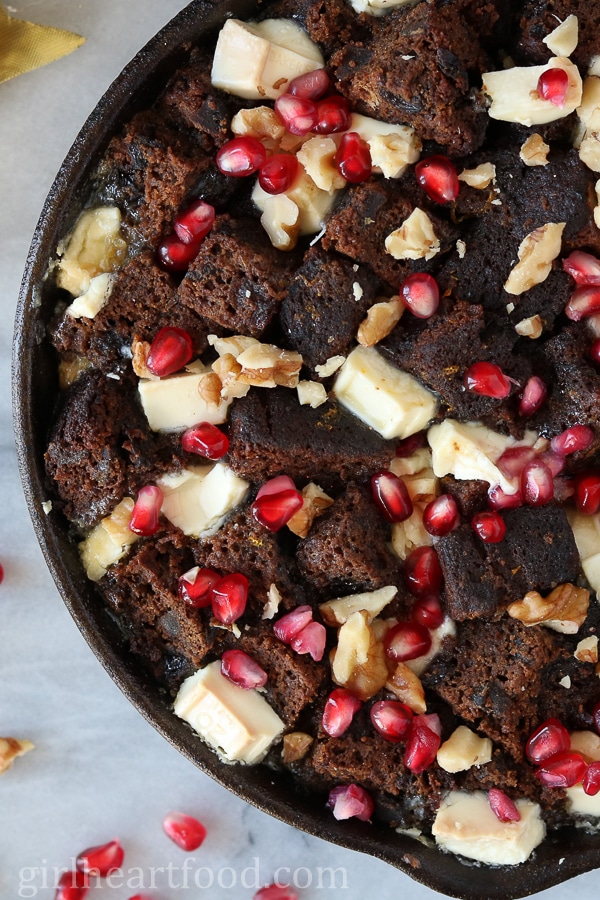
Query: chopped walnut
point(337, 612)
point(534, 151)
point(531, 327)
point(295, 746)
point(233, 345)
point(311, 393)
point(480, 177)
point(317, 155)
point(273, 600)
point(589, 150)
point(210, 387)
point(281, 221)
point(316, 501)
point(330, 366)
point(565, 37)
point(415, 239)
point(260, 122)
point(563, 610)
point(408, 688)
point(410, 534)
point(381, 319)
point(461, 249)
point(587, 649)
point(70, 367)
point(227, 371)
point(536, 253)
point(392, 153)
point(463, 750)
point(265, 365)
point(358, 663)
point(10, 749)
point(139, 357)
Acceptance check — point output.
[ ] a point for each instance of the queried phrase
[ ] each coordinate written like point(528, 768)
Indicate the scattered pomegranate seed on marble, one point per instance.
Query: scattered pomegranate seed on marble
point(488, 380)
point(423, 742)
point(241, 156)
point(537, 484)
point(587, 493)
point(278, 173)
point(145, 516)
point(489, 525)
point(242, 670)
point(274, 510)
point(533, 396)
point(502, 806)
point(422, 572)
point(175, 256)
point(170, 350)
point(427, 611)
point(591, 780)
point(291, 624)
point(298, 114)
point(584, 302)
point(552, 85)
point(562, 771)
point(441, 516)
point(549, 739)
point(276, 892)
point(420, 294)
point(194, 223)
point(582, 267)
point(185, 831)
point(499, 499)
point(195, 586)
point(229, 598)
point(351, 801)
point(391, 719)
point(353, 158)
point(311, 640)
point(340, 708)
point(438, 177)
point(205, 440)
point(391, 496)
point(407, 640)
point(310, 86)
point(73, 885)
point(333, 115)
point(572, 440)
point(102, 859)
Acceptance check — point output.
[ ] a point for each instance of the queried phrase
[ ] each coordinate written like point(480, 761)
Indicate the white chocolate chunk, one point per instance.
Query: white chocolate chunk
point(198, 499)
point(565, 37)
point(93, 247)
point(389, 400)
point(379, 7)
point(515, 98)
point(415, 239)
point(258, 61)
point(479, 177)
point(240, 725)
point(463, 750)
point(175, 403)
point(537, 251)
point(108, 541)
point(578, 802)
point(91, 302)
point(465, 824)
point(586, 531)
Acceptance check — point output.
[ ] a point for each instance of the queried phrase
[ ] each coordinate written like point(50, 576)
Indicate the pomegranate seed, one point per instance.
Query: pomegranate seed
point(242, 670)
point(278, 173)
point(563, 489)
point(489, 525)
point(499, 499)
point(427, 611)
point(195, 586)
point(391, 719)
point(185, 831)
point(351, 800)
point(514, 459)
point(241, 156)
point(587, 493)
point(292, 623)
point(421, 294)
point(422, 572)
point(411, 444)
point(101, 860)
point(423, 743)
point(194, 223)
point(273, 511)
point(555, 461)
point(573, 440)
point(582, 267)
point(591, 779)
point(73, 885)
point(438, 178)
point(339, 711)
point(502, 806)
point(552, 85)
point(333, 115)
point(310, 86)
point(441, 516)
point(1, 573)
point(276, 486)
point(537, 485)
point(353, 158)
point(391, 495)
point(311, 640)
point(407, 640)
point(229, 598)
point(205, 440)
point(594, 352)
point(175, 256)
point(584, 302)
point(276, 891)
point(487, 379)
point(170, 351)
point(533, 396)
point(549, 739)
point(562, 771)
point(145, 515)
point(298, 114)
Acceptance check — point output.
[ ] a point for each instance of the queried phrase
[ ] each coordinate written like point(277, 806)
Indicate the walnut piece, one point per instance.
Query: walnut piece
point(480, 177)
point(295, 746)
point(415, 239)
point(463, 750)
point(537, 252)
point(565, 37)
point(534, 151)
point(139, 357)
point(265, 365)
point(260, 122)
point(10, 749)
point(330, 366)
point(381, 319)
point(311, 393)
point(316, 501)
point(274, 598)
point(587, 649)
point(281, 221)
point(531, 327)
point(392, 153)
point(210, 388)
point(358, 663)
point(408, 688)
point(317, 155)
point(337, 612)
point(564, 610)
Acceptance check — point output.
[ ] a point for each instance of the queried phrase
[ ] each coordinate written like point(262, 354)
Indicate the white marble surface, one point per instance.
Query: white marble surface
point(99, 770)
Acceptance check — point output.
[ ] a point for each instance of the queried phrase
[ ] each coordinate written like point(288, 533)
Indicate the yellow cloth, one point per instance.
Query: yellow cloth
point(25, 46)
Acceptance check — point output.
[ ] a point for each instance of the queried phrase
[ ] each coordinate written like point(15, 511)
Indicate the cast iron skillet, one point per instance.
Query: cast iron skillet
point(34, 395)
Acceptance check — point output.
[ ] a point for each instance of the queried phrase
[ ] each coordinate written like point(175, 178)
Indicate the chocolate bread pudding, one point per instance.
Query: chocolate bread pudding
point(328, 339)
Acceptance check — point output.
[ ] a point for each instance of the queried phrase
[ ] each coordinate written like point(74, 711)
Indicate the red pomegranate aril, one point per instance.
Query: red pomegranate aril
point(1, 573)
point(423, 743)
point(205, 440)
point(582, 267)
point(195, 586)
point(502, 806)
point(422, 572)
point(391, 719)
point(489, 526)
point(242, 670)
point(533, 396)
point(572, 440)
point(584, 302)
point(427, 611)
point(73, 885)
point(170, 351)
point(353, 158)
point(102, 859)
point(407, 640)
point(537, 484)
point(185, 831)
point(351, 801)
point(194, 223)
point(549, 739)
point(441, 516)
point(562, 771)
point(420, 294)
point(411, 444)
point(229, 598)
point(488, 380)
point(591, 780)
point(145, 516)
point(594, 352)
point(310, 640)
point(287, 627)
point(514, 459)
point(298, 114)
point(391, 496)
point(340, 708)
point(555, 462)
point(273, 511)
point(276, 486)
point(587, 493)
point(563, 489)
point(276, 892)
point(278, 173)
point(333, 115)
point(310, 86)
point(175, 256)
point(499, 499)
point(438, 178)
point(241, 156)
point(552, 85)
